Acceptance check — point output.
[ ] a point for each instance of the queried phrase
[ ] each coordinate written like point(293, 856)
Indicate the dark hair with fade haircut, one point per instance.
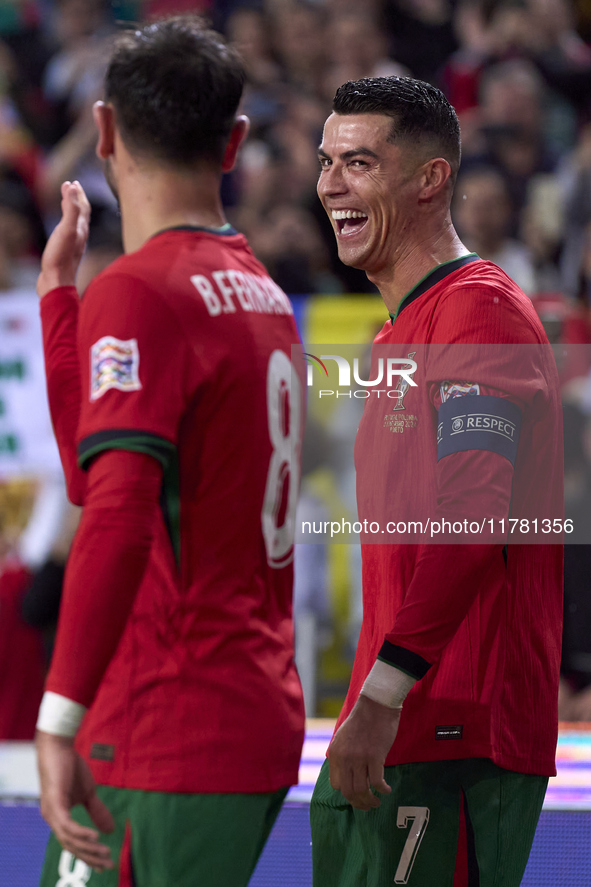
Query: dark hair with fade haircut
point(175, 86)
point(419, 111)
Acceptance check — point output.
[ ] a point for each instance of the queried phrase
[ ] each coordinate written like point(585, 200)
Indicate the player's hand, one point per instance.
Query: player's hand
point(66, 780)
point(358, 751)
point(67, 242)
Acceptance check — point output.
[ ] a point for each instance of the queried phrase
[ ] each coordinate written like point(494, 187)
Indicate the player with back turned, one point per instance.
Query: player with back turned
point(438, 767)
point(179, 419)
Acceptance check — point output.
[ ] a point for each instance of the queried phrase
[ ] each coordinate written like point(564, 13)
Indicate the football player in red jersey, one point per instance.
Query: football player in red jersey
point(173, 720)
point(451, 714)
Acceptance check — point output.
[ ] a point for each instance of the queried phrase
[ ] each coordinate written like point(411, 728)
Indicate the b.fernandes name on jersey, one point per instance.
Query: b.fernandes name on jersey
point(252, 292)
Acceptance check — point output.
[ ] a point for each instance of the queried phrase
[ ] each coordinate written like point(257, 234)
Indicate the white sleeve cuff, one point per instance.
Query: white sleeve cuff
point(387, 685)
point(59, 715)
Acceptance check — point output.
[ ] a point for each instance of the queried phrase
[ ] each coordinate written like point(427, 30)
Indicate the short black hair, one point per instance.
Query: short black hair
point(420, 111)
point(175, 86)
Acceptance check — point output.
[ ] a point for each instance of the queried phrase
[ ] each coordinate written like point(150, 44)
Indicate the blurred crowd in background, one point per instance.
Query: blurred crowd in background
point(518, 73)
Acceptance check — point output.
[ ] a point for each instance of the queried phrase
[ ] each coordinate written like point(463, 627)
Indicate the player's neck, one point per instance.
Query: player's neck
point(152, 201)
point(414, 261)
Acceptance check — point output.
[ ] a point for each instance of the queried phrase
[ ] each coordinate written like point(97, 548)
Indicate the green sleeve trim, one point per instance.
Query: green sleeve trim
point(381, 658)
point(160, 449)
point(125, 439)
point(410, 663)
point(131, 445)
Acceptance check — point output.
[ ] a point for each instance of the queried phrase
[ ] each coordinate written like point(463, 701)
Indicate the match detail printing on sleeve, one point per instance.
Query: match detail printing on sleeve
point(478, 422)
point(138, 367)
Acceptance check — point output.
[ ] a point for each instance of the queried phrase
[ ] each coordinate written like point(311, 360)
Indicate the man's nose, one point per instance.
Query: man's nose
point(332, 182)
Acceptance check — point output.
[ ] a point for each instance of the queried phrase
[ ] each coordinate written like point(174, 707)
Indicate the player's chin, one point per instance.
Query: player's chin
point(354, 258)
point(355, 251)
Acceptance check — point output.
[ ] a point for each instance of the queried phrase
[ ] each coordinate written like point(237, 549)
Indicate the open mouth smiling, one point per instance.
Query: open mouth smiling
point(348, 221)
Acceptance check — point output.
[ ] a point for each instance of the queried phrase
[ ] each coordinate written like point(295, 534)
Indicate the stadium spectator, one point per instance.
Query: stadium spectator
point(22, 235)
point(559, 52)
point(249, 31)
point(482, 210)
point(72, 81)
point(22, 662)
point(357, 48)
point(575, 685)
point(74, 73)
point(22, 659)
point(508, 129)
point(422, 34)
point(541, 230)
point(288, 241)
point(41, 601)
point(576, 184)
point(299, 28)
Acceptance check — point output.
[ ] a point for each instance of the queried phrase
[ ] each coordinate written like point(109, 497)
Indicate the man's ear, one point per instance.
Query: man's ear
point(436, 174)
point(237, 136)
point(105, 123)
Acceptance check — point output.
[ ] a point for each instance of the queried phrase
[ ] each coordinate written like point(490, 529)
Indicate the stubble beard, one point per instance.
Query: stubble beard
point(354, 258)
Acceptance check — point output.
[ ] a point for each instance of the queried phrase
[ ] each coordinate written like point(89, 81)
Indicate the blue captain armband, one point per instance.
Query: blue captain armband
point(478, 422)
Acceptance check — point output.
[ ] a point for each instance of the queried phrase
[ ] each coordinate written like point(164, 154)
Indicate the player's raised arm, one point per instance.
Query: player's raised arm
point(56, 287)
point(66, 245)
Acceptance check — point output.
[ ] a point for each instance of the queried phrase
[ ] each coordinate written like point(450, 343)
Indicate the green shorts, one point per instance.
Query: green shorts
point(464, 823)
point(172, 840)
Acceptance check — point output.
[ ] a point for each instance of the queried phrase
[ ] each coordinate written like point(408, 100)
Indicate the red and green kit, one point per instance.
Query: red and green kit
point(179, 419)
point(475, 441)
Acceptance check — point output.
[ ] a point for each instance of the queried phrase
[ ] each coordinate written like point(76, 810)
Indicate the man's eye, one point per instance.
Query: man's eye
point(358, 164)
point(324, 162)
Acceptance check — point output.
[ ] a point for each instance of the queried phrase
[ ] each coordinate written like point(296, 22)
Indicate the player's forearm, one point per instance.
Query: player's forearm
point(446, 581)
point(108, 560)
point(59, 318)
point(474, 485)
point(427, 622)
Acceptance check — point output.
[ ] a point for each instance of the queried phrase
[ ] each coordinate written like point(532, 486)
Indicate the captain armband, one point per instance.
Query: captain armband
point(387, 685)
point(59, 715)
point(478, 422)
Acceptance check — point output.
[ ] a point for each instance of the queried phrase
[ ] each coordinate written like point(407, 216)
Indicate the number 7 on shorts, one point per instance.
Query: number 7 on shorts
point(420, 820)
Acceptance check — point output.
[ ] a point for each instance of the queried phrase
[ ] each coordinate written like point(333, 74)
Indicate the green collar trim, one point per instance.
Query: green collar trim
point(225, 230)
point(435, 275)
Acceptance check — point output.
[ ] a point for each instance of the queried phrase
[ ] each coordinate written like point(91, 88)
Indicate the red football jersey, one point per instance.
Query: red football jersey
point(478, 624)
point(184, 352)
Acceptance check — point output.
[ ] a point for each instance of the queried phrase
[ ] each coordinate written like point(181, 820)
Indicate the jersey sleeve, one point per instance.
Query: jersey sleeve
point(137, 375)
point(486, 314)
point(59, 321)
point(479, 393)
point(105, 568)
point(135, 369)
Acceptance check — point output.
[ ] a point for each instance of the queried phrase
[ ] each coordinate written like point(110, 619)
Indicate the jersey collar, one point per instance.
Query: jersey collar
point(434, 276)
point(225, 230)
